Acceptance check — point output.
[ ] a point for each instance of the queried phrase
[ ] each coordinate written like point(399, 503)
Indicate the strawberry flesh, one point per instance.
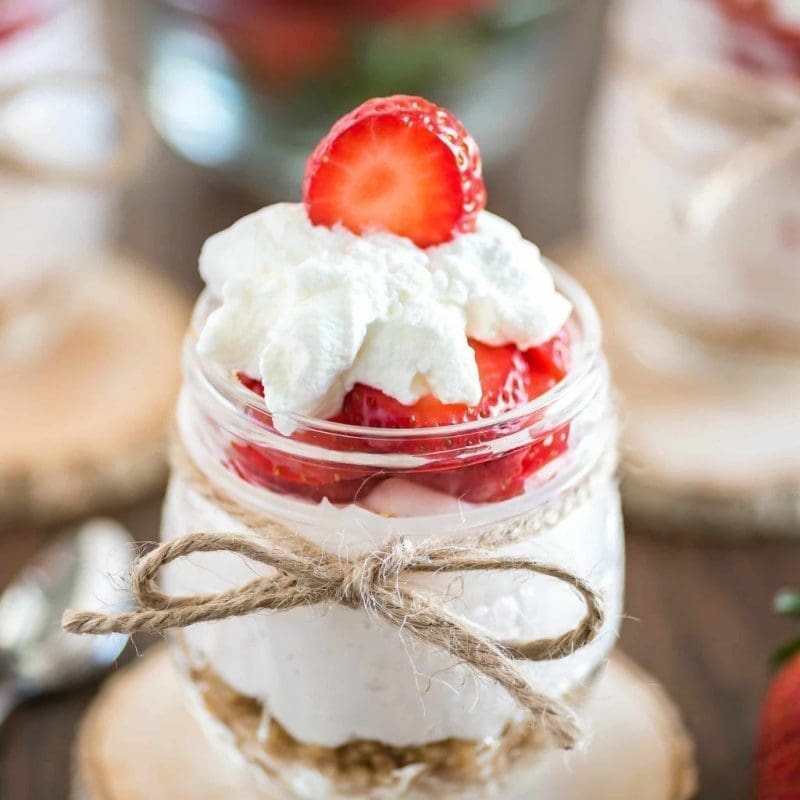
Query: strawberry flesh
point(509, 378)
point(398, 164)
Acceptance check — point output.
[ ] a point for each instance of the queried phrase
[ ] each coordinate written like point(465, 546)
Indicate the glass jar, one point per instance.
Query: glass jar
point(330, 701)
point(58, 192)
point(250, 87)
point(693, 185)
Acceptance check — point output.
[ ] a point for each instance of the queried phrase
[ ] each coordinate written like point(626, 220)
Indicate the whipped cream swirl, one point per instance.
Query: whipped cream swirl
point(311, 310)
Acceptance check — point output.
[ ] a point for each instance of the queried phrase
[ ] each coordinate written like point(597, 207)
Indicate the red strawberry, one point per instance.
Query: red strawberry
point(399, 164)
point(302, 477)
point(778, 754)
point(509, 378)
point(554, 357)
point(764, 14)
point(764, 39)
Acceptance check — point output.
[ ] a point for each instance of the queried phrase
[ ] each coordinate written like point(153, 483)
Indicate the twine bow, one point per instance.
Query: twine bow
point(765, 118)
point(307, 575)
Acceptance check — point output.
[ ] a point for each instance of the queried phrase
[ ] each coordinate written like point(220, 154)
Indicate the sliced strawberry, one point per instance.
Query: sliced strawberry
point(507, 381)
point(509, 378)
point(499, 478)
point(399, 164)
point(552, 358)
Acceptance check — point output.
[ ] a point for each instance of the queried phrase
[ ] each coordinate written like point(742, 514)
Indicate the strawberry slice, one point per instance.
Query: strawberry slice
point(509, 378)
point(553, 358)
point(399, 164)
point(777, 764)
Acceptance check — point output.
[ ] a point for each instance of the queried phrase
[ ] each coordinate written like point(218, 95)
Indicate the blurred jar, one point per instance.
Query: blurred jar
point(67, 139)
point(693, 185)
point(250, 86)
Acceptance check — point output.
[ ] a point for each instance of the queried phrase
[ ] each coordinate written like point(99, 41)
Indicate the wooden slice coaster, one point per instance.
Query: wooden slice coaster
point(85, 426)
point(710, 433)
point(139, 741)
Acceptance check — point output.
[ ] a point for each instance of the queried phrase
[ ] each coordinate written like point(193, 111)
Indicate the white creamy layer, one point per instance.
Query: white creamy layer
point(742, 269)
point(331, 675)
point(312, 310)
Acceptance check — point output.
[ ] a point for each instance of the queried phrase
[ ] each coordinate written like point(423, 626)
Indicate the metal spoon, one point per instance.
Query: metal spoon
point(81, 569)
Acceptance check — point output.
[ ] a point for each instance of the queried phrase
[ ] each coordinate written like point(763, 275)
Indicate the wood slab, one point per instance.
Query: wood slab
point(710, 432)
point(85, 426)
point(139, 741)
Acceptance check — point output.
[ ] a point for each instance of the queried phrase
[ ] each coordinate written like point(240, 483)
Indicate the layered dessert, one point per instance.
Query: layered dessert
point(47, 227)
point(388, 359)
point(694, 167)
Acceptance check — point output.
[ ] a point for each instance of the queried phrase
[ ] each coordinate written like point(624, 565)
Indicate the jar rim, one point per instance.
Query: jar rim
point(231, 396)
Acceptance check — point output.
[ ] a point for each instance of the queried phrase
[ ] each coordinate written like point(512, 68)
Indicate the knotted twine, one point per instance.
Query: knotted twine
point(764, 115)
point(307, 575)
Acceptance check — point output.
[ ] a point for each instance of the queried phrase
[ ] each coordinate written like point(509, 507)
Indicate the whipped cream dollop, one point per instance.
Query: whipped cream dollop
point(312, 310)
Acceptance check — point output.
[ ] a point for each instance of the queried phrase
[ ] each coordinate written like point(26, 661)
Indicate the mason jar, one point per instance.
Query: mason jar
point(332, 701)
point(693, 181)
point(69, 135)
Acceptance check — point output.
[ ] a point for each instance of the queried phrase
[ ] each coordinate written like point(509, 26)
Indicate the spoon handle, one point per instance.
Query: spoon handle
point(9, 698)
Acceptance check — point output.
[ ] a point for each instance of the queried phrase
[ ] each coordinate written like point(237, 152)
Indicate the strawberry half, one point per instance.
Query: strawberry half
point(399, 164)
point(778, 754)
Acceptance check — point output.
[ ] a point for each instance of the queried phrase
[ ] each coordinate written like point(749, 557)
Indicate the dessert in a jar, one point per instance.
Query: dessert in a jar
point(691, 251)
point(693, 186)
point(52, 216)
point(393, 401)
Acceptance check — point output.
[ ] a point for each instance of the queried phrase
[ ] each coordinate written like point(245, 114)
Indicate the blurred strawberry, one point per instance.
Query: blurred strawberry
point(288, 42)
point(280, 41)
point(19, 15)
point(768, 33)
point(421, 10)
point(400, 164)
point(509, 378)
point(778, 752)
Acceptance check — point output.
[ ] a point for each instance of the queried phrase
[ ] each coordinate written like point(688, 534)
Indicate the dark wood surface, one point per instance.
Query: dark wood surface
point(698, 615)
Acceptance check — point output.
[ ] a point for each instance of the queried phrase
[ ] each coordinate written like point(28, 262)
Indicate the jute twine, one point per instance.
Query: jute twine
point(307, 575)
point(768, 122)
point(764, 115)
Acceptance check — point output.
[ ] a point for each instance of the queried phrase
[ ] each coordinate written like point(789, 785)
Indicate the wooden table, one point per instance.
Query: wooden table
point(699, 616)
